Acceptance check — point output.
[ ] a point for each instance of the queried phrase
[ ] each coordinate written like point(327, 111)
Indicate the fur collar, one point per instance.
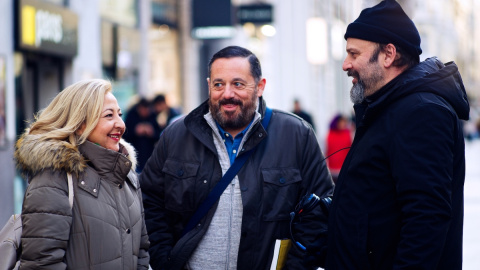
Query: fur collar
point(33, 155)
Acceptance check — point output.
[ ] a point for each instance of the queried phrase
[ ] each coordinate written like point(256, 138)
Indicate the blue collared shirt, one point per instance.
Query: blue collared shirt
point(231, 143)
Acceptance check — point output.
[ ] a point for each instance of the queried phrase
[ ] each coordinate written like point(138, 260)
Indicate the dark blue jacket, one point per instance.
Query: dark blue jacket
point(398, 203)
point(143, 144)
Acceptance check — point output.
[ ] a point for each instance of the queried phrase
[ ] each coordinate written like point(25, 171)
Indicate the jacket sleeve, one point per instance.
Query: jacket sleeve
point(143, 255)
point(423, 171)
point(160, 234)
point(316, 179)
point(46, 221)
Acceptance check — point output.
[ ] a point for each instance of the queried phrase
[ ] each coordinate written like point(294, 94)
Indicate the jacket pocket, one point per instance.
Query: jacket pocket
point(180, 179)
point(365, 254)
point(280, 192)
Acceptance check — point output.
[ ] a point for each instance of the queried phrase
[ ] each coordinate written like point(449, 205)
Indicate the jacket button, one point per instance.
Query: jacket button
point(260, 135)
point(205, 181)
point(83, 182)
point(282, 180)
point(95, 190)
point(180, 172)
point(120, 186)
point(127, 231)
point(244, 189)
point(127, 163)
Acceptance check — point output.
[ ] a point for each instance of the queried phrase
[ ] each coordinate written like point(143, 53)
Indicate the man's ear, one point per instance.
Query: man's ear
point(390, 55)
point(261, 86)
point(208, 84)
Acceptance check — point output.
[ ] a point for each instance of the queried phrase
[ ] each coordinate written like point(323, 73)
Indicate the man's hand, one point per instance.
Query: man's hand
point(317, 252)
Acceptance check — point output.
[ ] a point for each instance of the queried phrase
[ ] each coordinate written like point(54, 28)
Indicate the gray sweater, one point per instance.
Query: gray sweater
point(219, 247)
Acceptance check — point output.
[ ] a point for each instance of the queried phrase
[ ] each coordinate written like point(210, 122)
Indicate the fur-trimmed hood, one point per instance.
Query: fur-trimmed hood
point(33, 155)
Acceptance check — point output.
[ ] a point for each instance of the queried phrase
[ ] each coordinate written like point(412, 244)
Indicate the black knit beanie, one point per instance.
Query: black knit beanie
point(386, 23)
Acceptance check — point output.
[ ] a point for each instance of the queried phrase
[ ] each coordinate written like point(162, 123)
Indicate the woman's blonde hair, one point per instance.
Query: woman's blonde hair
point(79, 104)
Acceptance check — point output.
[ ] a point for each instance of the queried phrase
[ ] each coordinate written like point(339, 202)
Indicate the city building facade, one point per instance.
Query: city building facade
point(150, 47)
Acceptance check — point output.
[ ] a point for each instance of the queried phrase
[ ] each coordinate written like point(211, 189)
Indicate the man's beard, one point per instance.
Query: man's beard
point(366, 86)
point(357, 93)
point(234, 120)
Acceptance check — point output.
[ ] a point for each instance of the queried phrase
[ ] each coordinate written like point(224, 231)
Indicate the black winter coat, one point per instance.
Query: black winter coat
point(398, 203)
point(184, 167)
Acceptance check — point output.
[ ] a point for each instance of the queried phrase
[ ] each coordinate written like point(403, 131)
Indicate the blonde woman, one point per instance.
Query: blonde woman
point(80, 132)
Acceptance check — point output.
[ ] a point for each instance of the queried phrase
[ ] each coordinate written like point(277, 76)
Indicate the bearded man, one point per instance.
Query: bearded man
point(398, 201)
point(253, 212)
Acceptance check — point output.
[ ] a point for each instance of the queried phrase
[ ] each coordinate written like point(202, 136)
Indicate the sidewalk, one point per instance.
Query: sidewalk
point(471, 228)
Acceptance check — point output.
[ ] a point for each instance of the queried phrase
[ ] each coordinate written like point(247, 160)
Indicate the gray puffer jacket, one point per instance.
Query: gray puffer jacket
point(104, 230)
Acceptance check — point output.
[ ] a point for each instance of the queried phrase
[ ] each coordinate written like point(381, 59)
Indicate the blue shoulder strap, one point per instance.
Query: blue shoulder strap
point(214, 195)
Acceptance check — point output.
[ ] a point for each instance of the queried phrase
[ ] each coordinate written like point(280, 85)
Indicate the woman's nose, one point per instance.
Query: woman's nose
point(119, 123)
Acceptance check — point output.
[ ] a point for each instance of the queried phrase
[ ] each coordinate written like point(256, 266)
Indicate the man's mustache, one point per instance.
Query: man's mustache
point(352, 73)
point(230, 102)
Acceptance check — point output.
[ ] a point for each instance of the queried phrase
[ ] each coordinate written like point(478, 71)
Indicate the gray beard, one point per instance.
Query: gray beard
point(357, 93)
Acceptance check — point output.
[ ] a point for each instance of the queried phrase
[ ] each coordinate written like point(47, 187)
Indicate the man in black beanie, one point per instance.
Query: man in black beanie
point(398, 202)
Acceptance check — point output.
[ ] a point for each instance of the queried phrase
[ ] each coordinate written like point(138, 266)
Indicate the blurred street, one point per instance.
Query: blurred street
point(162, 48)
point(471, 232)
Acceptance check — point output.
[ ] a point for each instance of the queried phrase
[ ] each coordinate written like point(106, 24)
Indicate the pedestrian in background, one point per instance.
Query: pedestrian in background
point(297, 109)
point(241, 229)
point(80, 133)
point(398, 201)
point(339, 140)
point(164, 113)
point(142, 131)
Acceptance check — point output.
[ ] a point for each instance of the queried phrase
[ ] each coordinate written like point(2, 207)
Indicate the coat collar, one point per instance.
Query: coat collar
point(34, 154)
point(107, 163)
point(429, 76)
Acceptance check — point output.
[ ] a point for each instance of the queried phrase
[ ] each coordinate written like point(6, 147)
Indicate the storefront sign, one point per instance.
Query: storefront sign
point(212, 19)
point(46, 28)
point(214, 32)
point(260, 14)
